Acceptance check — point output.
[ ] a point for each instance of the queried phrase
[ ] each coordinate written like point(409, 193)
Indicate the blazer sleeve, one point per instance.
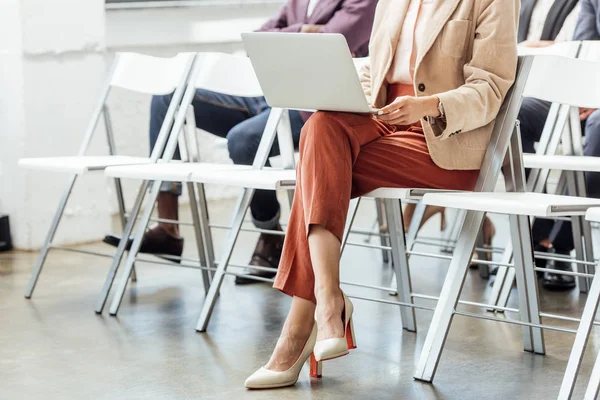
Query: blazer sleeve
point(586, 24)
point(279, 23)
point(489, 73)
point(354, 20)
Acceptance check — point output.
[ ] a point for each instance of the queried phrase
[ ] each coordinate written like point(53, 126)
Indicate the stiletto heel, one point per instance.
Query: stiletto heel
point(328, 349)
point(267, 379)
point(350, 335)
point(316, 367)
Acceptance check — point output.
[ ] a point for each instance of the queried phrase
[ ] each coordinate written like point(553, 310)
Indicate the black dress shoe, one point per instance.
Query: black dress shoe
point(266, 254)
point(558, 282)
point(156, 241)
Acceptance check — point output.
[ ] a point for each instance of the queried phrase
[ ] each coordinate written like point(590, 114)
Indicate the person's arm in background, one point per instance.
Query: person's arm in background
point(354, 20)
point(586, 25)
point(279, 23)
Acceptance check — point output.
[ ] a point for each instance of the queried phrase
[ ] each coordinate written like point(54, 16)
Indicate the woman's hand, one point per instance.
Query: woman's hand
point(584, 113)
point(407, 110)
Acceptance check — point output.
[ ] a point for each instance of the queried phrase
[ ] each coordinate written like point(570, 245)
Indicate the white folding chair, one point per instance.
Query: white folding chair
point(220, 73)
point(588, 320)
point(562, 124)
point(572, 85)
point(130, 71)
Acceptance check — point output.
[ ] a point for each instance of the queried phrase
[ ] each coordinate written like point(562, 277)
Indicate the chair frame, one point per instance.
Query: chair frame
point(526, 280)
point(101, 110)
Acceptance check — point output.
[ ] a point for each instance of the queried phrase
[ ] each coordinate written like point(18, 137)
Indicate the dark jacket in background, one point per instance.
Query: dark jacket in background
point(555, 19)
point(352, 18)
point(588, 25)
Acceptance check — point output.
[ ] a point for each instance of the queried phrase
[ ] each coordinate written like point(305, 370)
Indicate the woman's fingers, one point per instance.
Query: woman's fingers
point(391, 116)
point(393, 106)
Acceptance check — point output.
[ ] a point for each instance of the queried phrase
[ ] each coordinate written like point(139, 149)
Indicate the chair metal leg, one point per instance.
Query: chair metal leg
point(352, 210)
point(411, 237)
point(577, 224)
point(135, 247)
point(122, 210)
point(444, 311)
point(382, 226)
point(507, 288)
point(205, 228)
point(593, 388)
point(112, 271)
point(504, 277)
point(37, 270)
point(215, 285)
point(112, 149)
point(533, 339)
point(198, 235)
point(581, 339)
point(400, 261)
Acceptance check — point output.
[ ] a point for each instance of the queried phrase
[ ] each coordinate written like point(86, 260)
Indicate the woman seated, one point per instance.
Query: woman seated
point(439, 71)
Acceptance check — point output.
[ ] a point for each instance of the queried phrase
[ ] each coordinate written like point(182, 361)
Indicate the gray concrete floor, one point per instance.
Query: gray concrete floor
point(55, 347)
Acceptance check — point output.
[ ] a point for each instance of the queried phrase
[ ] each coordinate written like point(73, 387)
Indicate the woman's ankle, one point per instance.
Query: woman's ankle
point(327, 291)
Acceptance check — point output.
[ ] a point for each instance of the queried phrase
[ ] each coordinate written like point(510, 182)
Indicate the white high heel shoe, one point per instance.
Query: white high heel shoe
point(328, 349)
point(267, 379)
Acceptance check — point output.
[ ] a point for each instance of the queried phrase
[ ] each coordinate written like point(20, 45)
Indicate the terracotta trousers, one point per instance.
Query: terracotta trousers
point(343, 156)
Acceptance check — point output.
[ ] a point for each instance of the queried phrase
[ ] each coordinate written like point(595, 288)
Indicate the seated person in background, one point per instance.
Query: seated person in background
point(242, 121)
point(557, 236)
point(440, 71)
point(542, 22)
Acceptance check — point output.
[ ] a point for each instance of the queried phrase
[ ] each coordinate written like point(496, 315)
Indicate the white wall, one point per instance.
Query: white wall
point(53, 60)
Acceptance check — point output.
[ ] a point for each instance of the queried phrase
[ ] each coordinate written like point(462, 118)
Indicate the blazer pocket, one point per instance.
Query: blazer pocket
point(454, 38)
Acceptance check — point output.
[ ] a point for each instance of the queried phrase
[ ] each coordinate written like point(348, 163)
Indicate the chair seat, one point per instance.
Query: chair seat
point(219, 174)
point(167, 171)
point(593, 214)
point(535, 204)
point(402, 194)
point(564, 163)
point(79, 164)
point(246, 177)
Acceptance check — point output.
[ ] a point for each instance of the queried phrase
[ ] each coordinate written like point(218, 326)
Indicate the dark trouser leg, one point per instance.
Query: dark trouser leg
point(532, 116)
point(214, 112)
point(243, 141)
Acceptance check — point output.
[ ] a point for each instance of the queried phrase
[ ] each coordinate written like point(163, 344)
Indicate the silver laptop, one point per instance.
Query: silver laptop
point(301, 71)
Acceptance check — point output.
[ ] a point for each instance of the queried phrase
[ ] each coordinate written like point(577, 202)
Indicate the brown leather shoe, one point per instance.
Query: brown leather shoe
point(266, 254)
point(156, 241)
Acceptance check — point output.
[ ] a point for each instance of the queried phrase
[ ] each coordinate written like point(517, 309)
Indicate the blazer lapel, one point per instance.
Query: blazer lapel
point(442, 10)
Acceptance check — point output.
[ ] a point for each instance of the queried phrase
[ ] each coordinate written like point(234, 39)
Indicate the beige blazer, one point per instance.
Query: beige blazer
point(467, 57)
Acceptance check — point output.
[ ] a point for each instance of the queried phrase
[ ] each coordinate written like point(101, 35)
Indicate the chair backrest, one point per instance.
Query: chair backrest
point(227, 74)
point(504, 127)
point(149, 74)
point(569, 81)
point(590, 50)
